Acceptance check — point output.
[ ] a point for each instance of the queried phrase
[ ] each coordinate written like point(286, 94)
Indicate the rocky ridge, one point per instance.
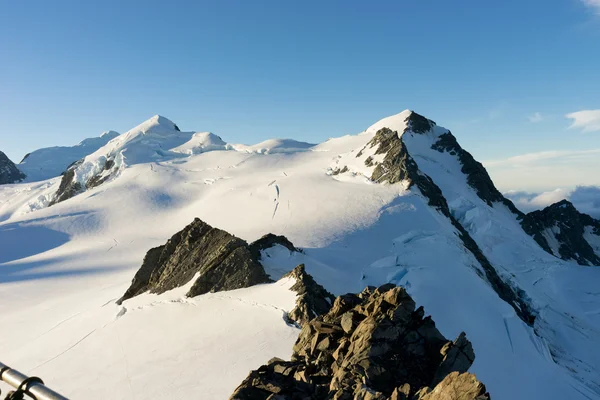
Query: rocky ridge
point(399, 166)
point(312, 300)
point(477, 176)
point(9, 173)
point(375, 345)
point(216, 259)
point(564, 226)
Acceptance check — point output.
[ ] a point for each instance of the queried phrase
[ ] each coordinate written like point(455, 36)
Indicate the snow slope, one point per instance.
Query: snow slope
point(50, 162)
point(62, 267)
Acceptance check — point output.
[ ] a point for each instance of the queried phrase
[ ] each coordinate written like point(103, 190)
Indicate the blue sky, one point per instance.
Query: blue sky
point(501, 75)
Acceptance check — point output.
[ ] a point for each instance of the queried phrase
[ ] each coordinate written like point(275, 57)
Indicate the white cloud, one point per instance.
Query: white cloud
point(539, 158)
point(587, 120)
point(535, 117)
point(585, 198)
point(593, 4)
point(546, 170)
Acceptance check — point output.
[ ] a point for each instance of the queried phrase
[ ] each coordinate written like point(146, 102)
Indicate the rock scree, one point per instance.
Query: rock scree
point(372, 346)
point(218, 260)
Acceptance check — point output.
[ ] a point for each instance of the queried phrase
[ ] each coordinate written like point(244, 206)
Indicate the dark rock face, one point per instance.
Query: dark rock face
point(312, 299)
point(398, 165)
point(477, 176)
point(220, 260)
point(69, 188)
point(9, 173)
point(267, 241)
point(374, 345)
point(569, 226)
point(418, 123)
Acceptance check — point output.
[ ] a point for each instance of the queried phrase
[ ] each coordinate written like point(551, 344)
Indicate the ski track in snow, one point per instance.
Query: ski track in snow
point(64, 351)
point(57, 325)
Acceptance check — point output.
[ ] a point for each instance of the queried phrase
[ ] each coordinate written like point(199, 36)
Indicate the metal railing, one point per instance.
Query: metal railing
point(32, 387)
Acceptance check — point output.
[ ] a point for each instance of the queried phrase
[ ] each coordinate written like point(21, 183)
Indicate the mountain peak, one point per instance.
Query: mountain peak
point(162, 121)
point(109, 134)
point(407, 119)
point(155, 124)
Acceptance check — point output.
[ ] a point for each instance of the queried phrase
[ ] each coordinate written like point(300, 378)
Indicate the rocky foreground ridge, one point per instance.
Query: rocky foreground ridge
point(372, 346)
point(375, 345)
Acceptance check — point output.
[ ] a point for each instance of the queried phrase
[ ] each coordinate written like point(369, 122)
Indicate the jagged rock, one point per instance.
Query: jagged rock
point(312, 299)
point(397, 164)
point(418, 123)
point(389, 351)
point(477, 176)
point(69, 187)
point(219, 260)
point(9, 173)
point(456, 386)
point(567, 225)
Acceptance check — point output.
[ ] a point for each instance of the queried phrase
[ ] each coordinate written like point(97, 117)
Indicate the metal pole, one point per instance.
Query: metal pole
point(34, 389)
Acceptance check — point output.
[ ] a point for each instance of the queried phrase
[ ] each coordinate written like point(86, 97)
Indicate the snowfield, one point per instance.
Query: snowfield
point(63, 267)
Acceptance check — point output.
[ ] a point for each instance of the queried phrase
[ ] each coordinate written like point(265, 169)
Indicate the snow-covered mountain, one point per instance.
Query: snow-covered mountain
point(50, 162)
point(401, 202)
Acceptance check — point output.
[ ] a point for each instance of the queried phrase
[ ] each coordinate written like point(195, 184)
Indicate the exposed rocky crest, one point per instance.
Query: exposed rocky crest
point(418, 123)
point(477, 176)
point(218, 260)
point(565, 226)
point(312, 300)
point(375, 346)
point(398, 165)
point(9, 173)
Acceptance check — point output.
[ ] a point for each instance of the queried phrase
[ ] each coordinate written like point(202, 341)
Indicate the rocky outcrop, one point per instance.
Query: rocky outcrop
point(9, 173)
point(267, 241)
point(70, 187)
point(376, 345)
point(399, 166)
point(218, 261)
point(477, 176)
point(312, 300)
point(564, 226)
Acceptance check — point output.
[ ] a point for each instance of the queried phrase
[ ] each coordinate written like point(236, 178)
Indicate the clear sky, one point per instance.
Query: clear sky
point(501, 75)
